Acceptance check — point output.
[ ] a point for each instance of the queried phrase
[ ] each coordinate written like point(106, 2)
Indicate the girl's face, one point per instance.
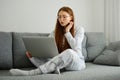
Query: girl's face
point(64, 18)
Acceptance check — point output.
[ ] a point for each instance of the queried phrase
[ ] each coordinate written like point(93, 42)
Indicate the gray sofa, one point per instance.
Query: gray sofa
point(12, 55)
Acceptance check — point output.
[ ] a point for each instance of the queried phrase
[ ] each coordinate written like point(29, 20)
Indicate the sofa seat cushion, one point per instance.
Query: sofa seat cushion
point(5, 50)
point(110, 56)
point(92, 72)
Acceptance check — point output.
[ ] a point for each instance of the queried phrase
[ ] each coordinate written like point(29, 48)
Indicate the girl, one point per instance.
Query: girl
point(69, 43)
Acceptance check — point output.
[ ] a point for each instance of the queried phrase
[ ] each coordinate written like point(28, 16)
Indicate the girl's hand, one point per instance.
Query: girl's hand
point(28, 54)
point(69, 26)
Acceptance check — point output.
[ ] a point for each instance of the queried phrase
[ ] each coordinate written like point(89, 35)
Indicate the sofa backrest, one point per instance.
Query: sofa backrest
point(95, 44)
point(12, 48)
point(5, 50)
point(19, 57)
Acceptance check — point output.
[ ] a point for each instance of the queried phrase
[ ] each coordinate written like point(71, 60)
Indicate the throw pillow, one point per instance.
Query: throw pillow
point(110, 56)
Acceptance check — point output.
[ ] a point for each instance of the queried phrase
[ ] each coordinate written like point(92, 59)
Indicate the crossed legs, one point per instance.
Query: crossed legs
point(58, 62)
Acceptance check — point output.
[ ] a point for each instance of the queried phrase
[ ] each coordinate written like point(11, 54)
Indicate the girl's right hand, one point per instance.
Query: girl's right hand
point(68, 27)
point(28, 54)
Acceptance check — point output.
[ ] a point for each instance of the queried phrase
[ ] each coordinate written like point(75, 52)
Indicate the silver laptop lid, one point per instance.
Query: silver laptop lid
point(41, 47)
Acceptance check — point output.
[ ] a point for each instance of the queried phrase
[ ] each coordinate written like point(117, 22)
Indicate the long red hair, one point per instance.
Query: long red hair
point(59, 31)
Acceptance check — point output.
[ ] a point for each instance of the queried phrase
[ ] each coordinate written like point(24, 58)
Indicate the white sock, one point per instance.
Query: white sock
point(19, 72)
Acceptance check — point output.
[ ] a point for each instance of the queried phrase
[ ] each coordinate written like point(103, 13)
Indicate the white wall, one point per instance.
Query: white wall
point(40, 15)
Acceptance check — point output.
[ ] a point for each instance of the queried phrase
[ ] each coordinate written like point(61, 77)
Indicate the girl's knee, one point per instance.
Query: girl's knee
point(69, 52)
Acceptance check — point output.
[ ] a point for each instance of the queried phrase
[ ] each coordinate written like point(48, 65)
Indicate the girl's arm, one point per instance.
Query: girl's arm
point(75, 42)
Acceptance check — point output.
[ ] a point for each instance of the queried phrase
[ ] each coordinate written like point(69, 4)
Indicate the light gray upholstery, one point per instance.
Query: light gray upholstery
point(95, 44)
point(5, 50)
point(92, 72)
point(110, 56)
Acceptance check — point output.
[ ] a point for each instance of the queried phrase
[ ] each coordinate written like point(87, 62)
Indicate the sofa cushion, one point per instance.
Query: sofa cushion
point(5, 50)
point(92, 72)
point(19, 49)
point(95, 44)
point(111, 55)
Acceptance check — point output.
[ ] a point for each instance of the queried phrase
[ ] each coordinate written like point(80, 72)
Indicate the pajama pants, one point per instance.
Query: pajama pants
point(68, 59)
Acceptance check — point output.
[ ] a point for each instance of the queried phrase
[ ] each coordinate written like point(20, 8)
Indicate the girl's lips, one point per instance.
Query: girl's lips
point(62, 22)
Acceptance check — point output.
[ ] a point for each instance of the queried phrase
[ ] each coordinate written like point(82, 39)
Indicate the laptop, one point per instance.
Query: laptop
point(41, 47)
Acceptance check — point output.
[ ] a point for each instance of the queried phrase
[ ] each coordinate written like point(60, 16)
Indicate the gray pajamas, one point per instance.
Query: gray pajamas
point(70, 59)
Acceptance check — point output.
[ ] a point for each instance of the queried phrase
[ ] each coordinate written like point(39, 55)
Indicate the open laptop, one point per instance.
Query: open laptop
point(41, 47)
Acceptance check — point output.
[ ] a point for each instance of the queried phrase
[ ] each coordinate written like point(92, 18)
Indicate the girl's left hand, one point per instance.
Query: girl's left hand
point(67, 29)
